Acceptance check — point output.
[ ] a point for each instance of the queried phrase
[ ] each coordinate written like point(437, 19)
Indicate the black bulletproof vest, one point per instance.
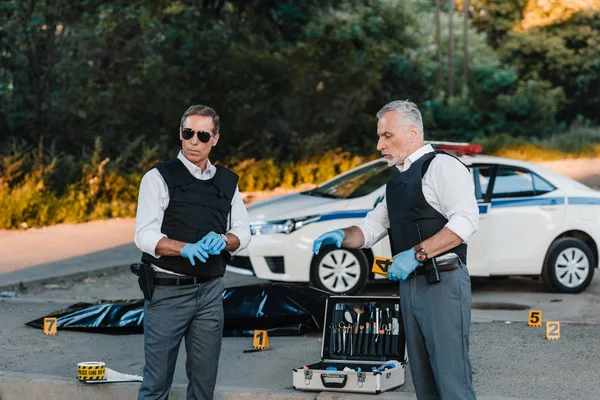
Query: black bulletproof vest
point(412, 219)
point(196, 207)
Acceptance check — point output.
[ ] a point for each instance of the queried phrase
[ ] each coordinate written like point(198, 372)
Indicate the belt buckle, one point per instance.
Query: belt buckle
point(195, 280)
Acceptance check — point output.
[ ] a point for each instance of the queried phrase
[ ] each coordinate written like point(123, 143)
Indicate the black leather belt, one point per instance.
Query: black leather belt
point(443, 266)
point(181, 280)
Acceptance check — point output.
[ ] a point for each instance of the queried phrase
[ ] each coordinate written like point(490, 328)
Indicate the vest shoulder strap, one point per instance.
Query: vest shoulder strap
point(428, 159)
point(226, 181)
point(174, 173)
point(432, 155)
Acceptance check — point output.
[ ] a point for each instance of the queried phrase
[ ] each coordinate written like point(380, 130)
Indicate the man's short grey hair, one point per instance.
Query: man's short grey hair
point(408, 110)
point(203, 111)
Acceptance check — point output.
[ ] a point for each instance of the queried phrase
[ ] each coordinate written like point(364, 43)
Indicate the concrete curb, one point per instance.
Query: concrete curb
point(19, 386)
point(11, 281)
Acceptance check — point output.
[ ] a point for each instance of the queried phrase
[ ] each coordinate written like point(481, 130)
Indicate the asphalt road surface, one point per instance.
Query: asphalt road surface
point(509, 359)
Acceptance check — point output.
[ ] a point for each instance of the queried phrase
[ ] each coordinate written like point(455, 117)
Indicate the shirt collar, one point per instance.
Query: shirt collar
point(193, 168)
point(415, 156)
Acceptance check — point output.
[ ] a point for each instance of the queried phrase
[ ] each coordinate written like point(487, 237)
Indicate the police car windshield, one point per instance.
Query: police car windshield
point(358, 183)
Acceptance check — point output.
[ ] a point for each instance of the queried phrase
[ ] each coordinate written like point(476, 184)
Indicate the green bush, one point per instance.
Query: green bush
point(39, 187)
point(579, 141)
point(267, 174)
point(33, 193)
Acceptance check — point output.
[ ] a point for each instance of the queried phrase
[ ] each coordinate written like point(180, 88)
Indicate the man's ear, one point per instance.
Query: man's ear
point(414, 133)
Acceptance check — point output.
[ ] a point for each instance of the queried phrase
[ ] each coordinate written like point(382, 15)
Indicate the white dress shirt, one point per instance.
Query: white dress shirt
point(153, 200)
point(447, 187)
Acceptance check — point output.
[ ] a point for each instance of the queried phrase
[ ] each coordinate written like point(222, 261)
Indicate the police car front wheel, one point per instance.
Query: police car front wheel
point(339, 271)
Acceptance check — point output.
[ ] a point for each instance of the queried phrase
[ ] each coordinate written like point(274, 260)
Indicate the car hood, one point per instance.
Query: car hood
point(292, 206)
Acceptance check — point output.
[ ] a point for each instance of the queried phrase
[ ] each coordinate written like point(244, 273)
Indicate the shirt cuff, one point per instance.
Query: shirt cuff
point(149, 242)
point(462, 226)
point(368, 238)
point(243, 241)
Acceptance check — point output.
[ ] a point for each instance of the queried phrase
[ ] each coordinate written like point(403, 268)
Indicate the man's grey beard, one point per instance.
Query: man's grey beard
point(396, 161)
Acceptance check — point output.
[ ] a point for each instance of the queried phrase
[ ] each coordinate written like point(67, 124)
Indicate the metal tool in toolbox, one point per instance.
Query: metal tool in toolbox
point(363, 347)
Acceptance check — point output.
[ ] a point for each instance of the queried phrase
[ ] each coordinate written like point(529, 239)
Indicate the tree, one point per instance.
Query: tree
point(465, 46)
point(497, 18)
point(498, 101)
point(438, 46)
point(451, 52)
point(566, 54)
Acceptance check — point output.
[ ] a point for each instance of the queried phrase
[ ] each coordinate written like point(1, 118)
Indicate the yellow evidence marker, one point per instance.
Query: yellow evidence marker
point(261, 340)
point(552, 330)
point(50, 326)
point(381, 265)
point(535, 318)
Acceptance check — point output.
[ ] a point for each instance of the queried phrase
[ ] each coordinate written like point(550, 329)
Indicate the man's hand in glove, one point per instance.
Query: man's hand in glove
point(404, 263)
point(194, 250)
point(213, 243)
point(334, 237)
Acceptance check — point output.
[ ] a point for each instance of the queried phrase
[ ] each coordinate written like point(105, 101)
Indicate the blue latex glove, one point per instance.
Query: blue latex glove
point(213, 243)
point(196, 250)
point(391, 365)
point(404, 263)
point(334, 237)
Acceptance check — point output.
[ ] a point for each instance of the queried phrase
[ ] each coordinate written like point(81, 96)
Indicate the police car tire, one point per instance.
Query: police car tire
point(363, 267)
point(549, 270)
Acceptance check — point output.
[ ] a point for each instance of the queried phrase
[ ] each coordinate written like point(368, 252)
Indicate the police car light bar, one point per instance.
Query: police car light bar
point(457, 148)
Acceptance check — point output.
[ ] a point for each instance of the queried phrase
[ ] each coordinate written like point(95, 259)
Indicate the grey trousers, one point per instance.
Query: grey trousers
point(196, 313)
point(437, 320)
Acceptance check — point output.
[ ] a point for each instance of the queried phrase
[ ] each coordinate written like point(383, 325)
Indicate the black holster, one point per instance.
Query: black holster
point(432, 272)
point(145, 274)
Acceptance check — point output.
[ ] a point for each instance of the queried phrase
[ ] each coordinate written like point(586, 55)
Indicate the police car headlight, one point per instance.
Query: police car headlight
point(285, 226)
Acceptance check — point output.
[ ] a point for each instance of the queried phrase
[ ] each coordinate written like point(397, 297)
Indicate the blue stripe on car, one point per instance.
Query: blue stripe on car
point(344, 215)
point(484, 208)
point(584, 200)
point(528, 202)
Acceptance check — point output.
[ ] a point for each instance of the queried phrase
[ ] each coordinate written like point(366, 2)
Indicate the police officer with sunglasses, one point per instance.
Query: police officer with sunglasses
point(190, 221)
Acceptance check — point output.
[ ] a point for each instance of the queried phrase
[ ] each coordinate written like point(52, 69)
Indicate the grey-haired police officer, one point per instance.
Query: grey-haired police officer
point(429, 211)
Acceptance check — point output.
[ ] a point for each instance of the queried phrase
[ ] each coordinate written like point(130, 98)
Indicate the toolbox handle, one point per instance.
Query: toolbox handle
point(334, 385)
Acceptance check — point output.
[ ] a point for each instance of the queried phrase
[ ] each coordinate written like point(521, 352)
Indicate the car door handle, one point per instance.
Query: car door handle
point(549, 208)
point(552, 205)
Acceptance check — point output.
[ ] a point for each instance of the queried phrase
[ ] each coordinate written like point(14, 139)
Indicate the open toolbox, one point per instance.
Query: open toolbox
point(363, 347)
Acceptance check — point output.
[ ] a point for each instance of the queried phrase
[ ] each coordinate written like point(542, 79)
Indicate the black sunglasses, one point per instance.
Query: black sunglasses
point(203, 136)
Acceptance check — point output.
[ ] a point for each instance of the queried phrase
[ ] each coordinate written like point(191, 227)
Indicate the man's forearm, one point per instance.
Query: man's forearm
point(353, 237)
point(169, 247)
point(441, 242)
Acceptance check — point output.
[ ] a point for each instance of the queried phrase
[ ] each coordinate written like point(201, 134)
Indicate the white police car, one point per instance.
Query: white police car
point(533, 221)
